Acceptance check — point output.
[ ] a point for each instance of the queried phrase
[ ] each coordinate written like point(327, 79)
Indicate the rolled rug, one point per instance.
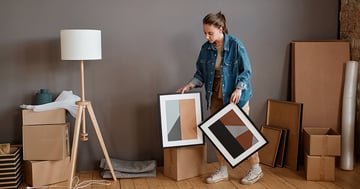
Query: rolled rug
point(348, 116)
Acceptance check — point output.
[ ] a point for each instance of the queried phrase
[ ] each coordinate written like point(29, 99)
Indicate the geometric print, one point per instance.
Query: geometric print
point(181, 119)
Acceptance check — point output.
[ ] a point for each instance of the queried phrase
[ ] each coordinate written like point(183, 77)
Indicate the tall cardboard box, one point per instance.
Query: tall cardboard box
point(184, 162)
point(320, 168)
point(57, 116)
point(42, 173)
point(322, 142)
point(46, 142)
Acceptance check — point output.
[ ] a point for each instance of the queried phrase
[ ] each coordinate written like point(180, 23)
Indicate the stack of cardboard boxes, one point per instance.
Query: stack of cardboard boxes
point(46, 150)
point(321, 146)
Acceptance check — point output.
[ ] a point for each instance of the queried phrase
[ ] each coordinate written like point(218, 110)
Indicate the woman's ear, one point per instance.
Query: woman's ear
point(221, 29)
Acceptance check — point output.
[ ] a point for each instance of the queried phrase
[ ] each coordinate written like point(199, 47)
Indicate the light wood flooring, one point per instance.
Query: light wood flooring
point(273, 178)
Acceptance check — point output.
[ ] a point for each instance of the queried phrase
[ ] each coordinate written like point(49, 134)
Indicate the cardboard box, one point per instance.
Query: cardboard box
point(57, 116)
point(41, 173)
point(320, 168)
point(46, 142)
point(322, 141)
point(184, 162)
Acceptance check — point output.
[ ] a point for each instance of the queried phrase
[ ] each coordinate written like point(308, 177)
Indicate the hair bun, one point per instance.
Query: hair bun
point(217, 20)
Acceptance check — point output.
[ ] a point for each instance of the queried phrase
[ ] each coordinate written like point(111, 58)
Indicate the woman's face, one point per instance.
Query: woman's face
point(212, 33)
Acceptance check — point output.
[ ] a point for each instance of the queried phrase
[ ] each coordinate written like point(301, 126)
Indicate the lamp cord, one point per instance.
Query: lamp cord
point(78, 184)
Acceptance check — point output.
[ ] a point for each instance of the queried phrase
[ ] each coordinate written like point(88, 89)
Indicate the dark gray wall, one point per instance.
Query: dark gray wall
point(149, 47)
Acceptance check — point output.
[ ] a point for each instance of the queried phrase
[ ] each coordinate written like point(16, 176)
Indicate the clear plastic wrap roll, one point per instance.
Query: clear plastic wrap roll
point(348, 116)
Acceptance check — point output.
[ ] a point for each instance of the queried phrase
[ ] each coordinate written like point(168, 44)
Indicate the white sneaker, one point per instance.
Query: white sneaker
point(252, 177)
point(220, 175)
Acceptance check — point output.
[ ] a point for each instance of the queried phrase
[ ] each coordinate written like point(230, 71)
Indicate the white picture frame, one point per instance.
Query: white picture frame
point(180, 115)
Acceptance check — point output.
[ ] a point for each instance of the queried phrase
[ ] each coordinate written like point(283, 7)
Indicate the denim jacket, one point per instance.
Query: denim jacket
point(235, 70)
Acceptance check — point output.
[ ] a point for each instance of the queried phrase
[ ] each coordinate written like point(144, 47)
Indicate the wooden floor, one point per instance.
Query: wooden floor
point(273, 178)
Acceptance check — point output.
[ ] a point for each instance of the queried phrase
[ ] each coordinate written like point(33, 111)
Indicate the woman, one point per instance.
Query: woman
point(224, 68)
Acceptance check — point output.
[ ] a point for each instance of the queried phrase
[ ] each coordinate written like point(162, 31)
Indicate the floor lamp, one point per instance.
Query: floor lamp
point(83, 45)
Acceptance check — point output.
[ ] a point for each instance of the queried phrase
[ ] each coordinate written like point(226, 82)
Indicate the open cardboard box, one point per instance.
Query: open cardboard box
point(57, 116)
point(322, 142)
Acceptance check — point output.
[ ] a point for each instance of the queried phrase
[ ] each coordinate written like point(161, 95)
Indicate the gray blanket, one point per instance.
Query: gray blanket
point(129, 169)
point(107, 174)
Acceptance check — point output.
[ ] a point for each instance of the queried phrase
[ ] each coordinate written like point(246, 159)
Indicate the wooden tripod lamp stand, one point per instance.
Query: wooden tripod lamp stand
point(83, 45)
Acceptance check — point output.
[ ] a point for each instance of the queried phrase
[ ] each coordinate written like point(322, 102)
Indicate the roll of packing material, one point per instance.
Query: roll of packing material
point(348, 116)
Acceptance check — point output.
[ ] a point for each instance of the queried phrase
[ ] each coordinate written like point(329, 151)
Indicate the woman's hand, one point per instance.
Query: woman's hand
point(186, 88)
point(235, 96)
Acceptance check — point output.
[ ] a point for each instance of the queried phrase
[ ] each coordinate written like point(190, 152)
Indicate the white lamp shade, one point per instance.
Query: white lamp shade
point(80, 44)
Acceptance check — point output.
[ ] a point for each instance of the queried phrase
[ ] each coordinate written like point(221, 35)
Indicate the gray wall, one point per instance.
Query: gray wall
point(149, 47)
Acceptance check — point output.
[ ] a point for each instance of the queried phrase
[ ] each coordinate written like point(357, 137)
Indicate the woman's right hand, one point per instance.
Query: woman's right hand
point(186, 88)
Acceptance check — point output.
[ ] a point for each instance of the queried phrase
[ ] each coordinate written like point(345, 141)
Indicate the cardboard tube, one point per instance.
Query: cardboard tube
point(348, 116)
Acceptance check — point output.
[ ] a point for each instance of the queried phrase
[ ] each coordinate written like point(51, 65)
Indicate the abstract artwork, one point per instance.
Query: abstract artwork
point(180, 116)
point(233, 134)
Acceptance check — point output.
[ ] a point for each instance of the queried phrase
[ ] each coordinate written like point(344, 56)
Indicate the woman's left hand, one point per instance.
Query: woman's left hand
point(235, 96)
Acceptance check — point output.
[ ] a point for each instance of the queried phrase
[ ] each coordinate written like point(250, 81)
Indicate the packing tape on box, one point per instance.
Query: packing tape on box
point(324, 143)
point(322, 168)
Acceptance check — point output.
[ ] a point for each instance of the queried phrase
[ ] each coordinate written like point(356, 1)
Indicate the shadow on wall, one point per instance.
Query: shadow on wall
point(149, 133)
point(25, 67)
point(41, 61)
point(38, 52)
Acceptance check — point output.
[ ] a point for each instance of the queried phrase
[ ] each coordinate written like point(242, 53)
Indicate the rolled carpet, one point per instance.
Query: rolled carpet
point(348, 116)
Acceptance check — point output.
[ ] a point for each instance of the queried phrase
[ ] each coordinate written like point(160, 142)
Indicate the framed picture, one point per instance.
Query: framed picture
point(269, 153)
point(233, 134)
point(287, 115)
point(282, 148)
point(180, 116)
